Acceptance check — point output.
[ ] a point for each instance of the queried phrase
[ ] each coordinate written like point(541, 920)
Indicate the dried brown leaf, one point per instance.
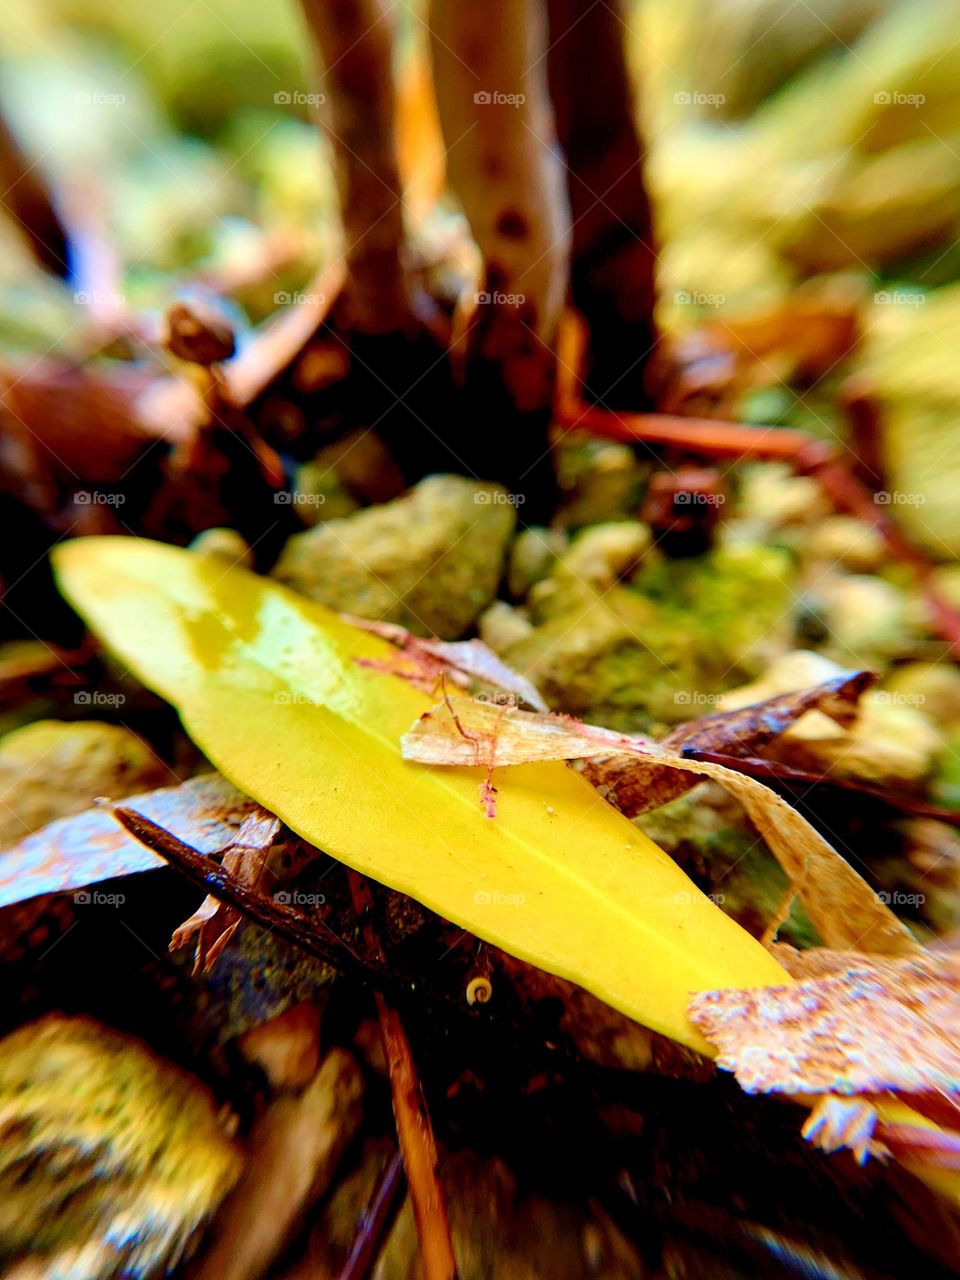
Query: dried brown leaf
point(214, 923)
point(635, 789)
point(746, 729)
point(877, 1024)
point(842, 906)
point(461, 661)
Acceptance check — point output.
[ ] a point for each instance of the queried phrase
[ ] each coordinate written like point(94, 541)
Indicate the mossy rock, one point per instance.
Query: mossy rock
point(51, 769)
point(125, 1153)
point(430, 561)
point(655, 650)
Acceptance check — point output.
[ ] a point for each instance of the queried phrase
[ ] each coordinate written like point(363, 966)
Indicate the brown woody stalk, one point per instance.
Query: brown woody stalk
point(614, 254)
point(414, 1129)
point(25, 198)
point(490, 71)
point(353, 42)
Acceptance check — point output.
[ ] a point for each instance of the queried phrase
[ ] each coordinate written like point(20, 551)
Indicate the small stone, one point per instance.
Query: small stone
point(867, 619)
point(319, 494)
point(933, 687)
point(430, 561)
point(534, 554)
point(225, 544)
point(607, 553)
point(502, 625)
point(125, 1153)
point(51, 769)
point(848, 542)
point(599, 480)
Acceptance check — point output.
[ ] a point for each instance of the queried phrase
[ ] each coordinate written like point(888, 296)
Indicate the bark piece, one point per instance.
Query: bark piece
point(295, 1148)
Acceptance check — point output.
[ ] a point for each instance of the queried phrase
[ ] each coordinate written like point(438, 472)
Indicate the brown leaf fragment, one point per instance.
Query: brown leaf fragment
point(635, 789)
point(844, 910)
point(206, 812)
point(214, 923)
point(69, 427)
point(636, 786)
point(877, 1024)
point(295, 1148)
point(462, 661)
point(837, 1124)
point(745, 730)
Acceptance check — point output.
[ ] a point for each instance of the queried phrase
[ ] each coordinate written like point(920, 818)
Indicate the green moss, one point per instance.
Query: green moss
point(658, 649)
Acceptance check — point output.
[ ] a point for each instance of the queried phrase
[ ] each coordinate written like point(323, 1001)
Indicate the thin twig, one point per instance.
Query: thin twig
point(375, 1223)
point(715, 438)
point(309, 933)
point(711, 437)
point(754, 767)
point(418, 1146)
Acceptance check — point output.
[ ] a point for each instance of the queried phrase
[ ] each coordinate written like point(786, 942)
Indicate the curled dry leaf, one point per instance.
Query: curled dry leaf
point(837, 1124)
point(214, 923)
point(636, 787)
point(842, 906)
point(868, 1025)
point(744, 730)
point(464, 662)
point(206, 812)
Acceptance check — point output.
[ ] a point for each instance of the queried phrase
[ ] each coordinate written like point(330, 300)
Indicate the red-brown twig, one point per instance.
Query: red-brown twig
point(304, 931)
point(714, 438)
point(774, 771)
point(418, 1145)
point(710, 437)
point(375, 1222)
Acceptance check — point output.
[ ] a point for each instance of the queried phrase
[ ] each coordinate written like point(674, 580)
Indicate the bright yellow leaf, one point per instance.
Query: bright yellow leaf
point(267, 685)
